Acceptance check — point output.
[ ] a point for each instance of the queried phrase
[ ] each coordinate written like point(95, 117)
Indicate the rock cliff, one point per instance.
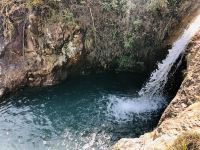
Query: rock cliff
point(36, 51)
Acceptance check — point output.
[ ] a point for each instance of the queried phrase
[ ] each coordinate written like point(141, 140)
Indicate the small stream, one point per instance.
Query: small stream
point(87, 113)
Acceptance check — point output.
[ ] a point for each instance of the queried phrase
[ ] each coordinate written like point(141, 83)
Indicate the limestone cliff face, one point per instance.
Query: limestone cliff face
point(34, 52)
point(182, 114)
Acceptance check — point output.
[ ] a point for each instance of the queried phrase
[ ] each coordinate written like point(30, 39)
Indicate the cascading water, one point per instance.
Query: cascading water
point(158, 79)
point(151, 96)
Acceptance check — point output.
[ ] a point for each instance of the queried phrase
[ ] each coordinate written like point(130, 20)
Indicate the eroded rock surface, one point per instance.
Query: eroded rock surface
point(36, 53)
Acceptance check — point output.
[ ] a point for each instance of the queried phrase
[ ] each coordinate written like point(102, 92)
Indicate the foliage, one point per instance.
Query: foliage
point(175, 2)
point(118, 5)
point(137, 25)
point(154, 5)
point(64, 16)
point(126, 61)
point(32, 3)
point(129, 40)
point(129, 61)
point(88, 42)
point(106, 6)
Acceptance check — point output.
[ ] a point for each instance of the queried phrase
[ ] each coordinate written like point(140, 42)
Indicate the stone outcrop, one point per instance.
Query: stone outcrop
point(182, 114)
point(36, 53)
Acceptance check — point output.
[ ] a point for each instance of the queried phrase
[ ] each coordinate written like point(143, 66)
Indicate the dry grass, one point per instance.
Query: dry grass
point(187, 141)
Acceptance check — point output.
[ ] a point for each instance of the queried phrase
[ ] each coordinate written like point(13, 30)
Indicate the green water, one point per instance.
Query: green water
point(88, 113)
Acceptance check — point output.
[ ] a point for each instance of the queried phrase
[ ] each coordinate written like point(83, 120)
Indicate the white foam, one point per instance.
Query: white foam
point(122, 108)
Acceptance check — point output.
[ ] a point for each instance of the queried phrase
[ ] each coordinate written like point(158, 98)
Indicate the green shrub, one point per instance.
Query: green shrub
point(154, 5)
point(106, 6)
point(126, 62)
point(129, 40)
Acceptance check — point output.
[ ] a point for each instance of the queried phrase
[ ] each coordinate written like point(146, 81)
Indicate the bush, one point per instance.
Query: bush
point(154, 5)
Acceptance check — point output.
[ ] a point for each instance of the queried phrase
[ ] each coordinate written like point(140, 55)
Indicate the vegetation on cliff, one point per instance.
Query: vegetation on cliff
point(117, 34)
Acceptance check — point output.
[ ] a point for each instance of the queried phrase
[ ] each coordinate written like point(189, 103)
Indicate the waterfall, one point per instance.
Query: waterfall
point(151, 98)
point(159, 77)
